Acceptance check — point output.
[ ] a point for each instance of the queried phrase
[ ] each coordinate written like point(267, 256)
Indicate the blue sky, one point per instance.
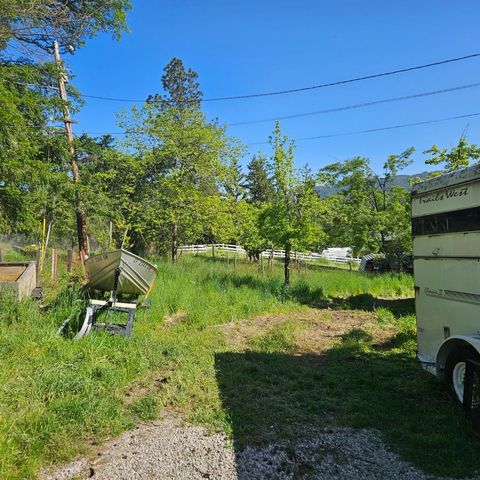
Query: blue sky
point(256, 46)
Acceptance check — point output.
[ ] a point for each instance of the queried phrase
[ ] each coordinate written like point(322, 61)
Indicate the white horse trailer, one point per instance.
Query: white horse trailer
point(446, 249)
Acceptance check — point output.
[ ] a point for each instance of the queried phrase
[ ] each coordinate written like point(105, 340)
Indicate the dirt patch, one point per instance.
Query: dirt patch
point(144, 388)
point(239, 333)
point(320, 329)
point(175, 318)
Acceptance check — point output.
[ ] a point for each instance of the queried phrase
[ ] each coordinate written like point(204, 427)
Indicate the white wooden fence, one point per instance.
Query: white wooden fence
point(337, 255)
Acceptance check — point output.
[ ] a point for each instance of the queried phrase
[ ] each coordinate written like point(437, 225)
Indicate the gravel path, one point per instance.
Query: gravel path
point(166, 449)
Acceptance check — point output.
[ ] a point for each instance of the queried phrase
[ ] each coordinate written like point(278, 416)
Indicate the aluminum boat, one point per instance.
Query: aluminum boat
point(135, 275)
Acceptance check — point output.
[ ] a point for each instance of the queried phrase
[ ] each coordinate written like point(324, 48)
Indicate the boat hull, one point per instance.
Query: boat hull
point(136, 274)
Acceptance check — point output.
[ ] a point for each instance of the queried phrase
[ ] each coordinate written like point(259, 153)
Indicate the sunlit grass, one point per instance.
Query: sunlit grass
point(58, 396)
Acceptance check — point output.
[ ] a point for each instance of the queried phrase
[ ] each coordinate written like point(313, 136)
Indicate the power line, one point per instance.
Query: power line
point(342, 82)
point(358, 105)
point(303, 89)
point(371, 130)
point(332, 135)
point(344, 108)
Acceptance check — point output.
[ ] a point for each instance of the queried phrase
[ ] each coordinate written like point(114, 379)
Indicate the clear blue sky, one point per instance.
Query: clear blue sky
point(256, 46)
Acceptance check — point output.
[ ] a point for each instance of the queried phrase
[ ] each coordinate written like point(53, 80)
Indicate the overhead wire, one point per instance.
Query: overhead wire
point(357, 105)
point(332, 135)
point(343, 82)
point(348, 107)
point(371, 130)
point(303, 89)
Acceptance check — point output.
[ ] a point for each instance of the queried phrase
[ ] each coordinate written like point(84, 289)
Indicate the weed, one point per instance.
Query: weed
point(145, 408)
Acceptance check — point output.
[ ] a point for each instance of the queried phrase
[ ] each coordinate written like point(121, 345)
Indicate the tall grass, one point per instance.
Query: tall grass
point(58, 396)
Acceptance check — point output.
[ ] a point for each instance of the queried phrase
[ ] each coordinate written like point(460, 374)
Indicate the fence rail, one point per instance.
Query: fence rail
point(303, 256)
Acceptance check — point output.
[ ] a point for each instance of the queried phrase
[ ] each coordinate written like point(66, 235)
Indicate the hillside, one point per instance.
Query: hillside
point(402, 180)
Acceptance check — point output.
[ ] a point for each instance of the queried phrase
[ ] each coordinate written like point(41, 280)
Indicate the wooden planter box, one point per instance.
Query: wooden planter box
point(19, 277)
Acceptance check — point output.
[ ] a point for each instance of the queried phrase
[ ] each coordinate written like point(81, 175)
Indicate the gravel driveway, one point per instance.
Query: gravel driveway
point(166, 449)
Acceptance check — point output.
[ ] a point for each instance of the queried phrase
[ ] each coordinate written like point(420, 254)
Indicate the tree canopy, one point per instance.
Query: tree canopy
point(29, 26)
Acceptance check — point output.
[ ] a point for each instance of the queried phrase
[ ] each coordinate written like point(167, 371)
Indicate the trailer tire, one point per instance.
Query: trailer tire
point(455, 369)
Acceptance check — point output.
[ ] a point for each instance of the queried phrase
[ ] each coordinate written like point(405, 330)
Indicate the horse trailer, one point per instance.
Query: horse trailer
point(446, 249)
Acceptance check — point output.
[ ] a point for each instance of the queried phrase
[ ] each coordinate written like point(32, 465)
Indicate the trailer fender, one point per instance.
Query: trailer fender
point(451, 344)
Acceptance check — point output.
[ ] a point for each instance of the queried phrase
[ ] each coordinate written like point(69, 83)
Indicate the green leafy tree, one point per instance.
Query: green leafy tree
point(184, 159)
point(33, 165)
point(456, 158)
point(371, 213)
point(250, 235)
point(34, 180)
point(292, 219)
point(31, 26)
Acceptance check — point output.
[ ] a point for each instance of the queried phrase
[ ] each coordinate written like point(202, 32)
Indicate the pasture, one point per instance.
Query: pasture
point(337, 348)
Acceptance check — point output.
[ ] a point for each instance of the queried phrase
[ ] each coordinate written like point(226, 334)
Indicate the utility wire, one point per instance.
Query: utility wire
point(358, 105)
point(303, 89)
point(342, 82)
point(332, 135)
point(371, 130)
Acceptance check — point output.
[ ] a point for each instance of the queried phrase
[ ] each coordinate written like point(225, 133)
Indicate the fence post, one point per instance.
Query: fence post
point(69, 260)
point(54, 263)
point(1, 254)
point(228, 261)
point(38, 262)
point(235, 260)
point(213, 250)
point(261, 263)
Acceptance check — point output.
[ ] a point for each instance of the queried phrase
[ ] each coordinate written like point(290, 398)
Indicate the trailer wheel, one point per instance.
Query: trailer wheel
point(455, 369)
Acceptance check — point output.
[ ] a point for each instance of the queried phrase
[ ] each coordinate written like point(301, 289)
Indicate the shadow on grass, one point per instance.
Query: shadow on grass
point(277, 398)
point(367, 302)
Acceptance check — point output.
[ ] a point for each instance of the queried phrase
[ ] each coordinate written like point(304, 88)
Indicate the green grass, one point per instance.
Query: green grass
point(58, 396)
point(357, 383)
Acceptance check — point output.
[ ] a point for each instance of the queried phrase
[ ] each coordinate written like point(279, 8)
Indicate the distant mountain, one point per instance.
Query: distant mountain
point(401, 180)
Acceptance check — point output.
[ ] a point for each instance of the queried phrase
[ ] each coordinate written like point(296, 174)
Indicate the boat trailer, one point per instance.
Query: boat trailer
point(95, 307)
point(121, 273)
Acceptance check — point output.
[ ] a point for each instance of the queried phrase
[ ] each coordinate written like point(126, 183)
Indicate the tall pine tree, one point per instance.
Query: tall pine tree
point(258, 183)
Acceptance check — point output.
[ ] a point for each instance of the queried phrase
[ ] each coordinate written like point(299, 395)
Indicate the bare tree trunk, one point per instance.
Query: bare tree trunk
point(287, 265)
point(174, 242)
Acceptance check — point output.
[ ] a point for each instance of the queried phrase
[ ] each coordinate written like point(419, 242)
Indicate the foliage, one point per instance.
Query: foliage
point(183, 90)
point(454, 159)
point(291, 220)
point(29, 26)
point(34, 164)
point(33, 167)
point(371, 213)
point(257, 181)
point(184, 159)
